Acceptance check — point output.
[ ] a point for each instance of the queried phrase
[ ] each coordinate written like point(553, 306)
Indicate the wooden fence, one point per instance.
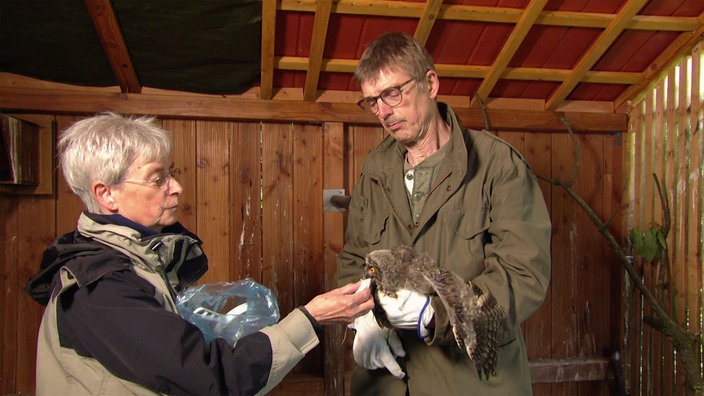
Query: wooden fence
point(666, 140)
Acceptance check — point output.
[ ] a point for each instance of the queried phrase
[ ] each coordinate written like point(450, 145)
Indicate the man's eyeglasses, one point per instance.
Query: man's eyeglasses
point(390, 96)
point(160, 181)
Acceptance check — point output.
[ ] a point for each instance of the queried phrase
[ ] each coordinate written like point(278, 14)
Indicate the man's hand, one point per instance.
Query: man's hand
point(408, 310)
point(375, 347)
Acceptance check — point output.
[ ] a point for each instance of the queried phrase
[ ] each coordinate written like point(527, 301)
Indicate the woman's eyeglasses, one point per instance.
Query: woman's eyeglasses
point(160, 181)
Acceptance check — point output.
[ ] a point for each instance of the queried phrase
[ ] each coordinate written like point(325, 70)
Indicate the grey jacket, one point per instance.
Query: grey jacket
point(485, 219)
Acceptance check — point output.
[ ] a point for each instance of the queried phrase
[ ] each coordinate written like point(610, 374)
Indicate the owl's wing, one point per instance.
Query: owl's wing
point(475, 318)
point(487, 321)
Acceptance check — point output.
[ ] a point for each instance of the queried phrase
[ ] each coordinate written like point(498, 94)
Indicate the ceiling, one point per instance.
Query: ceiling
point(592, 55)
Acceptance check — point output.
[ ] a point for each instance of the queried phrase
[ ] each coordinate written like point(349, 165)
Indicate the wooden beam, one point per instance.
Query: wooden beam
point(568, 370)
point(427, 20)
point(110, 34)
point(317, 46)
point(523, 26)
point(235, 108)
point(592, 55)
point(268, 38)
point(334, 234)
point(471, 71)
point(670, 56)
point(408, 9)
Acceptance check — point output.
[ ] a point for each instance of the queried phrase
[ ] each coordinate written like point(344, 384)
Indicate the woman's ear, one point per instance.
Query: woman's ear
point(433, 82)
point(104, 194)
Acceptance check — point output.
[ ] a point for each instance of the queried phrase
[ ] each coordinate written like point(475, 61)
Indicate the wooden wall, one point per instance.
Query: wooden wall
point(253, 192)
point(666, 139)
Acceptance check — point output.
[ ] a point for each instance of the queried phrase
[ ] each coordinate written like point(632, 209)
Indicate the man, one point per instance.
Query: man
point(464, 197)
point(111, 326)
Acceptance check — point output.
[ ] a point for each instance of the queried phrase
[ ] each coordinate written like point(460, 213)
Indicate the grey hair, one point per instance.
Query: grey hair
point(104, 147)
point(394, 51)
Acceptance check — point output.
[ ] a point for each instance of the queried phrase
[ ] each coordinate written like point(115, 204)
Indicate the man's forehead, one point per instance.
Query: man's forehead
point(386, 78)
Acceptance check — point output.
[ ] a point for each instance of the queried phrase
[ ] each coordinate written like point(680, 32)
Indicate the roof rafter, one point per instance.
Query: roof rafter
point(268, 37)
point(595, 52)
point(427, 20)
point(520, 30)
point(110, 34)
point(409, 9)
point(317, 46)
point(464, 71)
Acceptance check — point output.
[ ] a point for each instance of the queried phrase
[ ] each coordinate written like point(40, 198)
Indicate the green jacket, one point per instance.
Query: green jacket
point(486, 220)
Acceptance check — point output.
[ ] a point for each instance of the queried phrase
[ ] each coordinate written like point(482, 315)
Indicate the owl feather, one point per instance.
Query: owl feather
point(474, 315)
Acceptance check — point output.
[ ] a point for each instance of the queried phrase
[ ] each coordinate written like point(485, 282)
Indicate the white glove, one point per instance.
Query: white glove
point(375, 347)
point(408, 310)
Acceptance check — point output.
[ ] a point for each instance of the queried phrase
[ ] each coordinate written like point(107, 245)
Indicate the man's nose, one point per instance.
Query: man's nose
point(383, 110)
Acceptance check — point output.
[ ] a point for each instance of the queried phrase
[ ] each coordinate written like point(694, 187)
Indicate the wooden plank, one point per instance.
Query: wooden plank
point(646, 216)
point(36, 231)
point(588, 247)
point(213, 201)
point(268, 46)
point(427, 20)
point(69, 205)
point(9, 234)
point(537, 328)
point(307, 216)
point(233, 108)
point(317, 47)
point(334, 230)
point(614, 191)
point(183, 135)
point(362, 140)
point(695, 209)
point(108, 28)
point(564, 333)
point(277, 223)
point(568, 370)
point(460, 12)
point(676, 173)
point(246, 200)
point(300, 63)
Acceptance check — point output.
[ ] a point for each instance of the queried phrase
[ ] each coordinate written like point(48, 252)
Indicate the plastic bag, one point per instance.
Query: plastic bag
point(228, 310)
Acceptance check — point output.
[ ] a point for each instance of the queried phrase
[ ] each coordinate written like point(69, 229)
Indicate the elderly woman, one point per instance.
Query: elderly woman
point(110, 325)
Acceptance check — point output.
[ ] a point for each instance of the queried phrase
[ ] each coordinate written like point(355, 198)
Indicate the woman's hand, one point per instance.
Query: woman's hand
point(342, 305)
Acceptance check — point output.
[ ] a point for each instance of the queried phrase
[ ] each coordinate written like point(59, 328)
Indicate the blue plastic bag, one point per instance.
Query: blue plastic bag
point(228, 310)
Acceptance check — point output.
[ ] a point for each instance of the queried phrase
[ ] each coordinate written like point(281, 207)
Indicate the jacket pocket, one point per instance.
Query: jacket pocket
point(373, 227)
point(467, 223)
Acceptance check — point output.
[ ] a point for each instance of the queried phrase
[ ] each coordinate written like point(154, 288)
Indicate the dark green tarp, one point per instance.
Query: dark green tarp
point(206, 46)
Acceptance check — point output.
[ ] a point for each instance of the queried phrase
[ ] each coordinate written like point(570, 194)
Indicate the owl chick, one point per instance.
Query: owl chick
point(475, 316)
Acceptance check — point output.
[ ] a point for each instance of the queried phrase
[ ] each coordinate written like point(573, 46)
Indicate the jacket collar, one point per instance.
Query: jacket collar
point(175, 251)
point(386, 161)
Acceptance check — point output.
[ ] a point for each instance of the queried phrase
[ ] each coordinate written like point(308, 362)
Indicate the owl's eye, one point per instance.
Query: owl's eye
point(372, 270)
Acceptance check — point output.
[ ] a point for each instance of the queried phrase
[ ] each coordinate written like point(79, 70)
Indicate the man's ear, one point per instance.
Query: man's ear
point(433, 82)
point(104, 195)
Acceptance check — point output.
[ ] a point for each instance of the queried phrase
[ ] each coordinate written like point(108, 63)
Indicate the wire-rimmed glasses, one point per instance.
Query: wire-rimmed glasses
point(160, 181)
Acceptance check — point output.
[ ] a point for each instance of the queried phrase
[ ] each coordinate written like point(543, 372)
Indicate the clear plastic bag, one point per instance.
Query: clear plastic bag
point(229, 310)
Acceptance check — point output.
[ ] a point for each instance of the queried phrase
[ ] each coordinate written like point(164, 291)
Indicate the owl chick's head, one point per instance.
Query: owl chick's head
point(386, 262)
